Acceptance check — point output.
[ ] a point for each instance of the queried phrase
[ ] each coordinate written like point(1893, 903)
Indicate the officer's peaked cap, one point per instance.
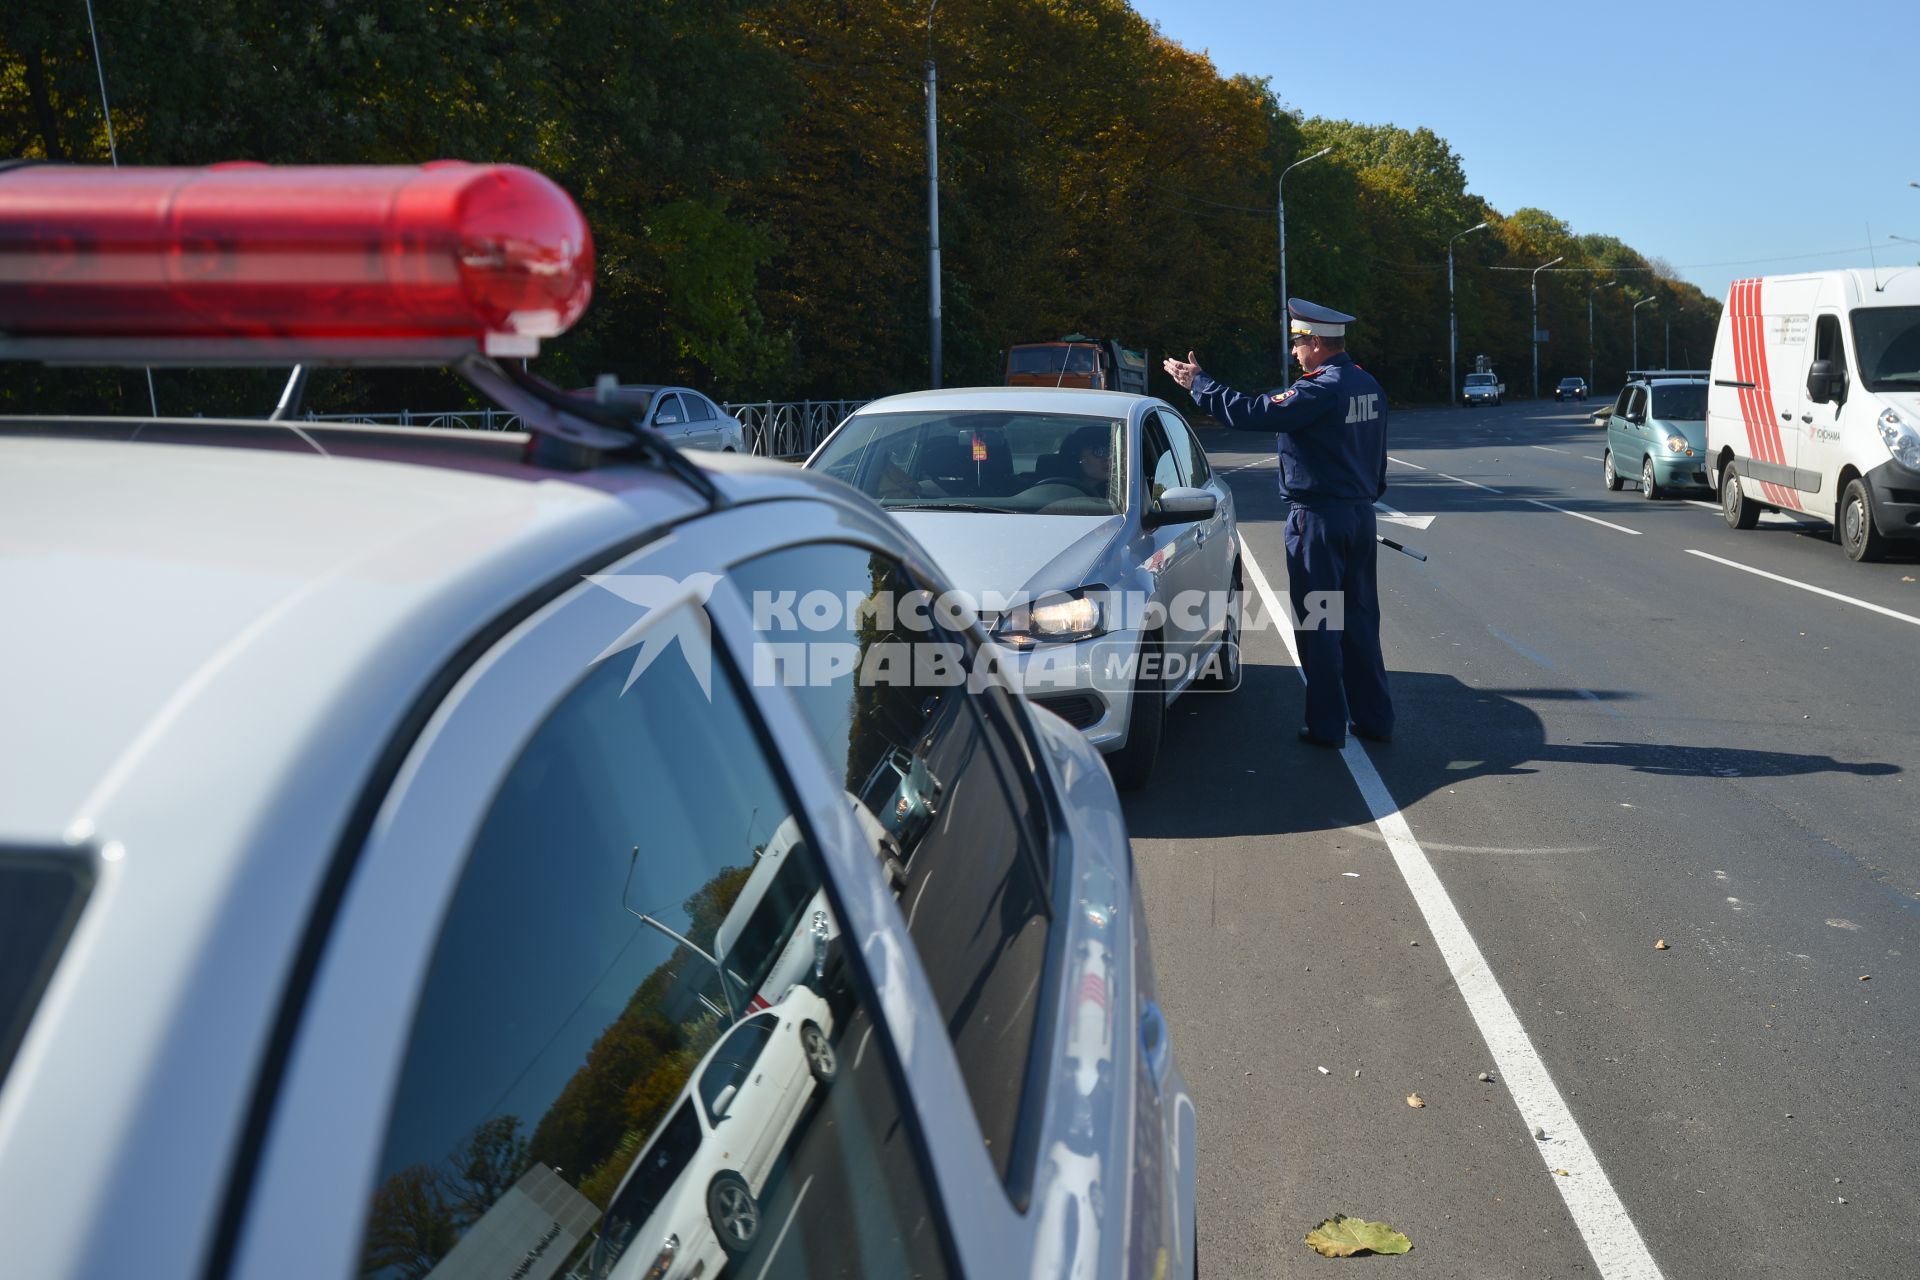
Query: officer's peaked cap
point(1316, 321)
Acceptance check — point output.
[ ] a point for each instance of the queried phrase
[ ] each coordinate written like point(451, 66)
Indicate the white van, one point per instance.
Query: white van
point(1814, 404)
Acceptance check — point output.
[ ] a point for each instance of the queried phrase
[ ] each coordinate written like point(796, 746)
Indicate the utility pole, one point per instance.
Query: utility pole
point(1534, 284)
point(1636, 329)
point(1281, 213)
point(1453, 339)
point(933, 209)
point(1590, 356)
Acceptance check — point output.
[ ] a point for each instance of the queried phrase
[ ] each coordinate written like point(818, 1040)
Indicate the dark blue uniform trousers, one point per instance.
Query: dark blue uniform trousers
point(1330, 547)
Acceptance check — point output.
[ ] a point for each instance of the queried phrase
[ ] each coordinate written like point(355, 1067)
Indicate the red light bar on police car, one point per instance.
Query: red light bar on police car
point(251, 264)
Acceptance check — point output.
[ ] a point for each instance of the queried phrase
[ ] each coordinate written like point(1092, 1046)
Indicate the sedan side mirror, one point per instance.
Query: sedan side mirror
point(1826, 384)
point(667, 420)
point(1181, 505)
point(723, 1100)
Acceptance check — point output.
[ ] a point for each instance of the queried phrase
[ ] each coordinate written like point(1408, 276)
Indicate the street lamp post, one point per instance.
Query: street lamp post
point(1281, 213)
point(1534, 280)
point(1636, 330)
point(933, 210)
point(1453, 377)
point(1590, 358)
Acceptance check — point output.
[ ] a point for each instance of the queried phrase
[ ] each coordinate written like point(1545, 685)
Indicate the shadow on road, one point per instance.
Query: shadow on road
point(1231, 766)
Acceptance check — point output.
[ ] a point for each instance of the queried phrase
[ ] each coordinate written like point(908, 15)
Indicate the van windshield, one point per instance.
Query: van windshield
point(1479, 379)
point(1887, 341)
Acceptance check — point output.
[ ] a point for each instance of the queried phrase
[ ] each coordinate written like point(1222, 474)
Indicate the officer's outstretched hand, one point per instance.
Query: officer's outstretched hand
point(1183, 371)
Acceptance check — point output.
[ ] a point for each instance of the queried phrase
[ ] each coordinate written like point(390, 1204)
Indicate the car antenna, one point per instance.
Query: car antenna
point(1874, 258)
point(633, 861)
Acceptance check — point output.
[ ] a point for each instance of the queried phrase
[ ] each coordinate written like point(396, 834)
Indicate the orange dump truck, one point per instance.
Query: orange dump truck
point(1076, 361)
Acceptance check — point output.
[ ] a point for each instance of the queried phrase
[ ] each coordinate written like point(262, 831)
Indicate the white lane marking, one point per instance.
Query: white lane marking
point(1475, 483)
point(1403, 462)
point(786, 1226)
point(1805, 586)
point(1578, 516)
point(1542, 448)
point(1590, 458)
point(1401, 517)
point(1243, 466)
point(1598, 1215)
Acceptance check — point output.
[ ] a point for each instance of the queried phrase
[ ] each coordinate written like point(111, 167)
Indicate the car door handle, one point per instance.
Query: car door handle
point(1787, 416)
point(1806, 417)
point(1156, 1048)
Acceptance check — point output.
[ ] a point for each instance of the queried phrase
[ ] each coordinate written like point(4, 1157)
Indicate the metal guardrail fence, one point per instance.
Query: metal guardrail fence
point(789, 428)
point(773, 428)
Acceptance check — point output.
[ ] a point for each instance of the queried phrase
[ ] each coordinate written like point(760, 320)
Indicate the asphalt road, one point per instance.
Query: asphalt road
point(1604, 741)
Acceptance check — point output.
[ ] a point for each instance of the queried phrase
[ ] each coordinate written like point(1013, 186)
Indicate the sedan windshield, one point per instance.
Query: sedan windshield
point(999, 462)
point(1680, 402)
point(1887, 340)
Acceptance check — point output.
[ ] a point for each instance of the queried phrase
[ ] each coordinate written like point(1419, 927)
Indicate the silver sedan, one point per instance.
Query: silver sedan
point(1088, 533)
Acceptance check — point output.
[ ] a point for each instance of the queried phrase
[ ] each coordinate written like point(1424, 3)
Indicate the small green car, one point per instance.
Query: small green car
point(1657, 430)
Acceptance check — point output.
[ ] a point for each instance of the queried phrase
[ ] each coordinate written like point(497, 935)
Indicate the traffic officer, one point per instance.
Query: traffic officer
point(1331, 429)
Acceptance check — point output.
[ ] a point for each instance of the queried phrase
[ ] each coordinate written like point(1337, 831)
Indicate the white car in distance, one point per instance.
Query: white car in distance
point(691, 1200)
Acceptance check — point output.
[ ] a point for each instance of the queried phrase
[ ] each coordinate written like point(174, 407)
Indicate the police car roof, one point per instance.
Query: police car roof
point(1077, 400)
point(192, 613)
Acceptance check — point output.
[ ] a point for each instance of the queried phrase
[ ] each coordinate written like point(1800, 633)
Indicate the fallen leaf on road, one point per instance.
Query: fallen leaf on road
point(1866, 977)
point(1660, 945)
point(1415, 1100)
point(1344, 1237)
point(1561, 1173)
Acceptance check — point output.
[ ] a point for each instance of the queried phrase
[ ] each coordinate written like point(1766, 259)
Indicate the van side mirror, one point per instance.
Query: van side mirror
point(1826, 383)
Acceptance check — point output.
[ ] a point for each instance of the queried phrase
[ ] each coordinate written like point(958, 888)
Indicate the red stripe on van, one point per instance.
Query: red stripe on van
point(1787, 495)
point(1756, 403)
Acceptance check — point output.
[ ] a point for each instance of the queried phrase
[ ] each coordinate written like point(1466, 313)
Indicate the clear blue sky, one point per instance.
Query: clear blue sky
point(1716, 136)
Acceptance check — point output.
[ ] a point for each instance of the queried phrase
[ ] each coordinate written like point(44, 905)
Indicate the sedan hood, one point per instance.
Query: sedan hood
point(983, 554)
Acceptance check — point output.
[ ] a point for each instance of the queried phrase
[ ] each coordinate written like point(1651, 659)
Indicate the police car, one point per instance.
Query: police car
point(374, 799)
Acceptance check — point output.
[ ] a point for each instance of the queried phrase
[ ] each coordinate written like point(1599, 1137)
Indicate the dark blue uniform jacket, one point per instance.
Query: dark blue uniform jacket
point(1332, 425)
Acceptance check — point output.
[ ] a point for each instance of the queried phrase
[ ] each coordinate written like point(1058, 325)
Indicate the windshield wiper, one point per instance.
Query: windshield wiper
point(899, 504)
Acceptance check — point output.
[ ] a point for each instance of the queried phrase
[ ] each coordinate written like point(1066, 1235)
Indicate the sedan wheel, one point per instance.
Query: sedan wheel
point(735, 1217)
point(1132, 764)
point(1222, 671)
point(820, 1057)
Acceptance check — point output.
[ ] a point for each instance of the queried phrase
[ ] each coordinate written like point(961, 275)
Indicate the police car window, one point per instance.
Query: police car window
point(955, 822)
point(1193, 459)
point(594, 993)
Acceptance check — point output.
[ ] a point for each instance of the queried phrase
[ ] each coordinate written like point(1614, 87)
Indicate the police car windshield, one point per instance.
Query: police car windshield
point(1887, 342)
point(983, 461)
point(1680, 402)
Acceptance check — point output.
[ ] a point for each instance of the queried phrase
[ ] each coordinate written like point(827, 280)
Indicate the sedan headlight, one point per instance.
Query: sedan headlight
point(1903, 442)
point(1678, 444)
point(1059, 618)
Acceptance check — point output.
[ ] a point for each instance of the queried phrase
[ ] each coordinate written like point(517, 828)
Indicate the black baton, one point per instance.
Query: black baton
point(1385, 541)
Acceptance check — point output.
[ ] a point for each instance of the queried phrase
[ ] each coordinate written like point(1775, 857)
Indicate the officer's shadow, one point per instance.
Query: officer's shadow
point(1230, 764)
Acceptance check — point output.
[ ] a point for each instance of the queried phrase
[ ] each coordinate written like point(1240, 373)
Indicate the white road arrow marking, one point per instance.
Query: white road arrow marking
point(1401, 517)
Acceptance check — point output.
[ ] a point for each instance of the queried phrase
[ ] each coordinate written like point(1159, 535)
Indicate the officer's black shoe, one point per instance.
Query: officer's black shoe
point(1315, 740)
point(1369, 734)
